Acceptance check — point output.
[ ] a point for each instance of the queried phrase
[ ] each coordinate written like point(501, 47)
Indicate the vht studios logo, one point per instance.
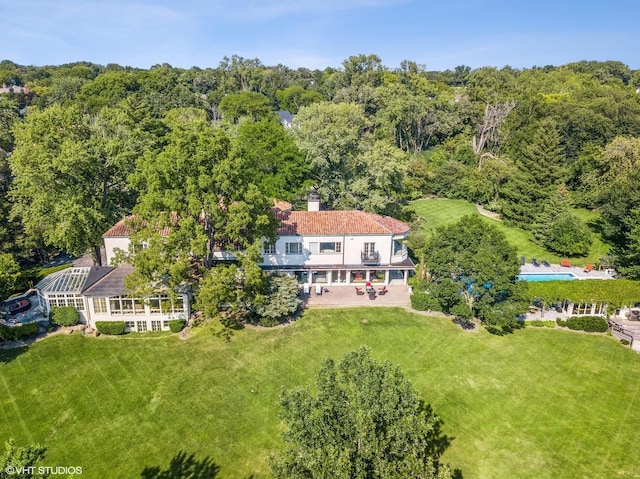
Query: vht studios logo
point(43, 470)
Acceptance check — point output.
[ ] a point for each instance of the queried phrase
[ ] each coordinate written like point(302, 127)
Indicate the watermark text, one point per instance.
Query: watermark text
point(43, 470)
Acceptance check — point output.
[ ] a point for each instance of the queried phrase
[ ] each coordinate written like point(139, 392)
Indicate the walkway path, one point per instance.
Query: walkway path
point(489, 214)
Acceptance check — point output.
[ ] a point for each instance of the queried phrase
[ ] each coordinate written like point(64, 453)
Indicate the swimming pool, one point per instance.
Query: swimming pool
point(546, 277)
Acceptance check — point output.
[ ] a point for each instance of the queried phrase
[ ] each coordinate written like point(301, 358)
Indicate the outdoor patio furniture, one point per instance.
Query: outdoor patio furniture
point(523, 260)
point(305, 289)
point(383, 290)
point(535, 262)
point(358, 290)
point(370, 289)
point(565, 263)
point(545, 263)
point(318, 290)
point(372, 294)
point(588, 268)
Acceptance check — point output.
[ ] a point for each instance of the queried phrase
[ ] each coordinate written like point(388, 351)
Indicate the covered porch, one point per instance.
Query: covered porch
point(350, 275)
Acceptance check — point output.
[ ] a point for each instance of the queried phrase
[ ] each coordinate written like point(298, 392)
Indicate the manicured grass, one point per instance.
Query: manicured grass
point(540, 403)
point(438, 212)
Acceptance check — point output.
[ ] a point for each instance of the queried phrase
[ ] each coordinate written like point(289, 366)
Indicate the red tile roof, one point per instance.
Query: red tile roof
point(311, 223)
point(331, 223)
point(282, 206)
point(121, 228)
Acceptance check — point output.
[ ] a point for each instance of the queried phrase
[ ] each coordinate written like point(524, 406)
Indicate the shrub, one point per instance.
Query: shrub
point(280, 302)
point(110, 327)
point(13, 333)
point(424, 302)
point(561, 322)
point(590, 324)
point(64, 316)
point(541, 324)
point(177, 325)
point(625, 342)
point(568, 235)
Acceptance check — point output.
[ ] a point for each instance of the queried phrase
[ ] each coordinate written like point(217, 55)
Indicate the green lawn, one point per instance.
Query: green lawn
point(438, 212)
point(540, 403)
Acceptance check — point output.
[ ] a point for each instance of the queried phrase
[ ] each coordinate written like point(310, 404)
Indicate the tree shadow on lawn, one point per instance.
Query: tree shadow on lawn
point(438, 440)
point(9, 354)
point(183, 466)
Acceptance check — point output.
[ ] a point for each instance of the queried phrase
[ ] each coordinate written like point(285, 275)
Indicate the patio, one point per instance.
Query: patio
point(345, 296)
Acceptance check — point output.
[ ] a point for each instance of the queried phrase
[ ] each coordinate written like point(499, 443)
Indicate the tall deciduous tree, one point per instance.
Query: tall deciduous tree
point(295, 97)
point(377, 184)
point(330, 136)
point(70, 175)
point(264, 153)
point(477, 257)
point(366, 421)
point(621, 221)
point(245, 103)
point(9, 275)
point(186, 195)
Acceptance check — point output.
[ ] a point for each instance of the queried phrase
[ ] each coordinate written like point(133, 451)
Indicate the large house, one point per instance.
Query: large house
point(334, 248)
point(321, 247)
point(338, 247)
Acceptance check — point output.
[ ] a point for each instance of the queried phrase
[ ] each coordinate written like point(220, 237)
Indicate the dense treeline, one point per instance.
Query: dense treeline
point(83, 145)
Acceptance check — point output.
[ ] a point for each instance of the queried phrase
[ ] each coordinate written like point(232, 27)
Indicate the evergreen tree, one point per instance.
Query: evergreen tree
point(557, 205)
point(542, 169)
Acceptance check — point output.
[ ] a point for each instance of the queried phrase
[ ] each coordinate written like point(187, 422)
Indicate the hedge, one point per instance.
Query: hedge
point(177, 325)
point(64, 316)
point(424, 302)
point(541, 324)
point(13, 333)
point(618, 293)
point(591, 324)
point(110, 327)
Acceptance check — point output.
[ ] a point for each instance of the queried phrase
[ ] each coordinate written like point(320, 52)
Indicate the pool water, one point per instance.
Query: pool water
point(546, 277)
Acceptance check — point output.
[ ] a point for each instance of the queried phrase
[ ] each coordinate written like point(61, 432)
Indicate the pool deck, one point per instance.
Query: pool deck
point(579, 273)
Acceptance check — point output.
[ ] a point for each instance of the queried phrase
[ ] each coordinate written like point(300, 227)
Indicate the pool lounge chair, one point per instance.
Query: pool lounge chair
point(545, 263)
point(566, 263)
point(359, 290)
point(535, 262)
point(588, 268)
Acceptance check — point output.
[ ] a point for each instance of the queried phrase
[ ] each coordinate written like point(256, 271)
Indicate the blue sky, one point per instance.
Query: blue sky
point(320, 33)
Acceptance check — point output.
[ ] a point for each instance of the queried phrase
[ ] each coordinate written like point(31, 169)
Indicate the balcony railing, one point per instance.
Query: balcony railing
point(370, 257)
